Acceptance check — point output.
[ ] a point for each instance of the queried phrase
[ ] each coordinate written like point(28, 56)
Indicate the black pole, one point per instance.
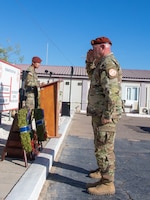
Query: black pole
point(71, 74)
point(0, 118)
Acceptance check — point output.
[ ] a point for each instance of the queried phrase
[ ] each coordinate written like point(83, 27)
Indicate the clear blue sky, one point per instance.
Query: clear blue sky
point(60, 31)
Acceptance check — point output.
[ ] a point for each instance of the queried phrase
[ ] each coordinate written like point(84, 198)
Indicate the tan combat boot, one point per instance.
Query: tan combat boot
point(95, 174)
point(88, 185)
point(102, 189)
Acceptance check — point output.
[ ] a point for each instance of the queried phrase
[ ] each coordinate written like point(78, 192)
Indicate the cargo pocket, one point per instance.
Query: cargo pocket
point(101, 137)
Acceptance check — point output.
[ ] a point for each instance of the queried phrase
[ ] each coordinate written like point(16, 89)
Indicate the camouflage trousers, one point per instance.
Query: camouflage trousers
point(104, 137)
point(32, 101)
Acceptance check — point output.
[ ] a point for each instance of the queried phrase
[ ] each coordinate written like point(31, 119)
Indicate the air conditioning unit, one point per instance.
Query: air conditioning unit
point(143, 110)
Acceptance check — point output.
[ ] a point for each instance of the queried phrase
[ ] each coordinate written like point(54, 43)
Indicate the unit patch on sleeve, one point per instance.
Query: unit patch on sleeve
point(112, 73)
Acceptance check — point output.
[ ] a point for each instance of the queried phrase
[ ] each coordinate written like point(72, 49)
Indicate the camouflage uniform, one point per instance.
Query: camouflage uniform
point(31, 86)
point(104, 101)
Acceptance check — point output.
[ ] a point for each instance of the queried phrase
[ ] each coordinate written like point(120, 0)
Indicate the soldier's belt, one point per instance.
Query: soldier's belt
point(31, 89)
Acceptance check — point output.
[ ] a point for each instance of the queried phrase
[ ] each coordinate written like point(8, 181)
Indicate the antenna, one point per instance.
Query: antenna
point(47, 54)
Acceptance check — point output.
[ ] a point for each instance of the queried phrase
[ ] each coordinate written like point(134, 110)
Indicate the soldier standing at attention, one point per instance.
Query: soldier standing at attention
point(32, 84)
point(105, 107)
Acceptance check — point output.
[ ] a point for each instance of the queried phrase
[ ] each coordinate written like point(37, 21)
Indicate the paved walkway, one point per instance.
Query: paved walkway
point(75, 157)
point(25, 183)
point(68, 176)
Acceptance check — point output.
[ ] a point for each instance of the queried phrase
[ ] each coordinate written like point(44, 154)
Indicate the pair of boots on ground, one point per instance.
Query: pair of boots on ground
point(100, 187)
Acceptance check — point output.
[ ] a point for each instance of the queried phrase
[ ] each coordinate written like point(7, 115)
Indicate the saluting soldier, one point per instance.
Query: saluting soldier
point(105, 107)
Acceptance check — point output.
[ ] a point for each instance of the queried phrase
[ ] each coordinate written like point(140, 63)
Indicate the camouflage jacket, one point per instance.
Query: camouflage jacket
point(104, 97)
point(31, 79)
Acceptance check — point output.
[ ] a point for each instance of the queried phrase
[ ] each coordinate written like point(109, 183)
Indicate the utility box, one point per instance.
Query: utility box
point(65, 109)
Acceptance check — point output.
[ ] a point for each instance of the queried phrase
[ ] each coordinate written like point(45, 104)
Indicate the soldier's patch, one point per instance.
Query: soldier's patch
point(30, 73)
point(112, 73)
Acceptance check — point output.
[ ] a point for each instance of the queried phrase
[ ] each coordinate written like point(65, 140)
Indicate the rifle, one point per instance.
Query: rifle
point(22, 91)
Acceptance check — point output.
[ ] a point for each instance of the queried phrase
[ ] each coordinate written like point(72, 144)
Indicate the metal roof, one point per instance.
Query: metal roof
point(134, 75)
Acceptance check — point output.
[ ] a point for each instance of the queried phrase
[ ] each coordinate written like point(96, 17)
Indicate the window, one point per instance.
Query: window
point(79, 83)
point(132, 93)
point(67, 83)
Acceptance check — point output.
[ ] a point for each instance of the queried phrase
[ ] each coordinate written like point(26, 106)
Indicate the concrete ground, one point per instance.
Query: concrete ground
point(20, 182)
point(60, 171)
point(68, 176)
